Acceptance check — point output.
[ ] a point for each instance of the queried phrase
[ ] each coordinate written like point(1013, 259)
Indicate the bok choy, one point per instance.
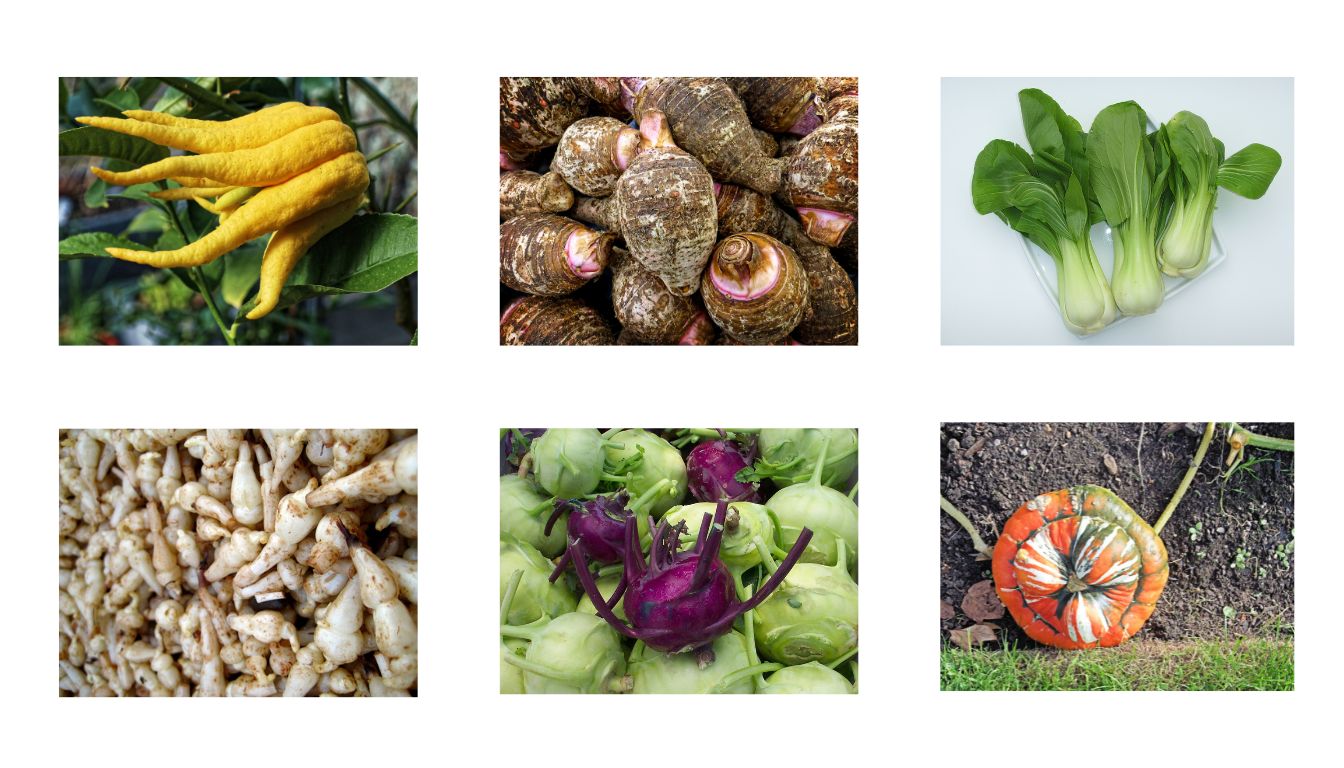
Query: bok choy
point(1129, 175)
point(1044, 196)
point(1198, 170)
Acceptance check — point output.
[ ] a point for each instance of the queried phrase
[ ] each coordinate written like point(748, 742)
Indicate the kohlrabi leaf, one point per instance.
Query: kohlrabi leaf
point(1249, 172)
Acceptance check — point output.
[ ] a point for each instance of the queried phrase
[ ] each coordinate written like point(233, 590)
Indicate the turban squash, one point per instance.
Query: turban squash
point(1078, 568)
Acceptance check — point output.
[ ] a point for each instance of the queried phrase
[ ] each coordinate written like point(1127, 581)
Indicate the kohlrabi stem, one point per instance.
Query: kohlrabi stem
point(688, 436)
point(708, 548)
point(749, 624)
point(648, 496)
point(617, 593)
point(777, 578)
point(955, 514)
point(1185, 481)
point(756, 670)
point(504, 604)
point(852, 653)
point(821, 462)
point(766, 559)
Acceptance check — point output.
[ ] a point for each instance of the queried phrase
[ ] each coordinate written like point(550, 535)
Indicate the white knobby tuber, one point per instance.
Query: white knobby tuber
point(338, 625)
point(293, 522)
point(266, 626)
point(393, 471)
point(192, 563)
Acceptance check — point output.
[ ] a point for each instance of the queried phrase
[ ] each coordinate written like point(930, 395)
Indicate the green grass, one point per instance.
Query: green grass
point(1243, 664)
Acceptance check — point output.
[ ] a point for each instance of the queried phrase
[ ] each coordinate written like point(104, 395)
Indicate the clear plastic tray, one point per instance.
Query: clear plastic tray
point(1044, 267)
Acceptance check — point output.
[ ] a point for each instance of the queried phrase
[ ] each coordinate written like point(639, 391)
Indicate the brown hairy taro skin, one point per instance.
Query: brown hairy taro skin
point(774, 103)
point(823, 170)
point(769, 146)
point(593, 153)
point(644, 306)
point(774, 313)
point(535, 111)
point(528, 192)
point(601, 212)
point(533, 256)
point(832, 315)
point(607, 93)
point(540, 320)
point(667, 213)
point(708, 121)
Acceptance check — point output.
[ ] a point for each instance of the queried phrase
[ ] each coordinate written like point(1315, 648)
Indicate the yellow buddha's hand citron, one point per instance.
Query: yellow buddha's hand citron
point(288, 245)
point(272, 163)
point(203, 136)
point(291, 169)
point(270, 209)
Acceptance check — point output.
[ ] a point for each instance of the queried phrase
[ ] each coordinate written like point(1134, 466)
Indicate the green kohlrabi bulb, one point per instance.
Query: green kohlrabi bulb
point(828, 513)
point(536, 595)
point(510, 676)
point(657, 672)
point(605, 586)
point(812, 677)
point(568, 462)
point(789, 455)
point(659, 461)
point(523, 512)
point(748, 525)
point(813, 616)
point(573, 653)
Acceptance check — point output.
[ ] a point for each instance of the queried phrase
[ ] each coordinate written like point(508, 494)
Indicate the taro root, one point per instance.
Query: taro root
point(778, 104)
point(724, 340)
point(708, 121)
point(627, 339)
point(593, 153)
point(528, 192)
point(832, 315)
point(548, 255)
point(822, 178)
point(535, 111)
point(606, 92)
point(598, 211)
point(540, 320)
point(755, 288)
point(665, 201)
point(769, 146)
point(648, 310)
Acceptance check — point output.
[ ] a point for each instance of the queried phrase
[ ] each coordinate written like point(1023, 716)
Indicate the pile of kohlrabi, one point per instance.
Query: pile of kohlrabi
point(678, 561)
point(1157, 191)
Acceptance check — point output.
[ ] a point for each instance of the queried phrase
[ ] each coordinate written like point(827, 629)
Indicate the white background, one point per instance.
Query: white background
point(990, 294)
point(460, 386)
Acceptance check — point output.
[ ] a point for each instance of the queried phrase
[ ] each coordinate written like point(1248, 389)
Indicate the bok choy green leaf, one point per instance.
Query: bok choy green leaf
point(1046, 202)
point(1199, 168)
point(1129, 175)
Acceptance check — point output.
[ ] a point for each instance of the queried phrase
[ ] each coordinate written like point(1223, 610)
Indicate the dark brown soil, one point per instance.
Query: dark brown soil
point(1230, 543)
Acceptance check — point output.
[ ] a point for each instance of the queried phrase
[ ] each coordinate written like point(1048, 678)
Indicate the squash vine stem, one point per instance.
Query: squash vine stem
point(1185, 481)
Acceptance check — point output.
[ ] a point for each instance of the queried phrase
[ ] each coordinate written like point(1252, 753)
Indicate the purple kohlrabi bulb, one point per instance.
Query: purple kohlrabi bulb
point(679, 600)
point(711, 469)
point(598, 523)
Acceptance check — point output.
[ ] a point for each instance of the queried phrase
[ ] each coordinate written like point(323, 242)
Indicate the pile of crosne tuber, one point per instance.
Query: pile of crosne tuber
point(236, 562)
point(678, 210)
